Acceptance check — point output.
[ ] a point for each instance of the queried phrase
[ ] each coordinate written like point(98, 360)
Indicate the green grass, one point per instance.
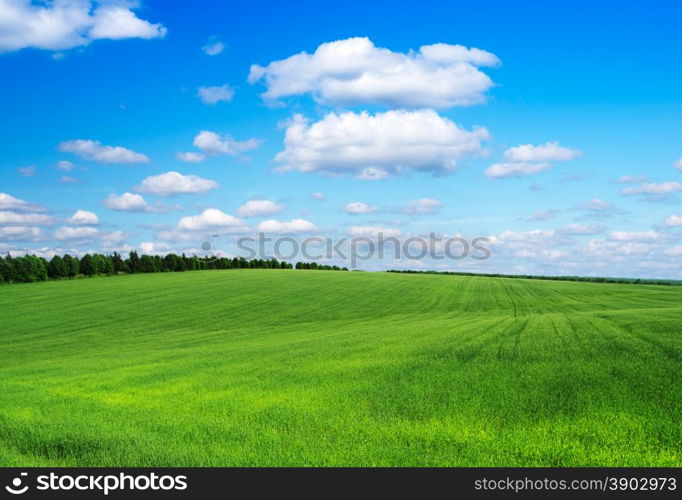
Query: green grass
point(303, 368)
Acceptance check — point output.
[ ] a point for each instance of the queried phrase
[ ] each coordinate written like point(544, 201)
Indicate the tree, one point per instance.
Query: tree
point(57, 269)
point(72, 266)
point(87, 266)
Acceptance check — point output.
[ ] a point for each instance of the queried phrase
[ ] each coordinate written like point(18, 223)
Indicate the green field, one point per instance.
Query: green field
point(304, 368)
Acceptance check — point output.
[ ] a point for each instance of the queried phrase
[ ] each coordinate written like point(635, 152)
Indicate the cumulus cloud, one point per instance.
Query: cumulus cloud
point(649, 235)
point(500, 170)
point(25, 219)
point(64, 24)
point(372, 232)
point(21, 233)
point(65, 165)
point(190, 157)
point(596, 205)
point(93, 150)
point(358, 207)
point(9, 202)
point(673, 221)
point(292, 226)
point(550, 151)
point(528, 159)
point(583, 229)
point(653, 190)
point(173, 183)
point(389, 143)
point(83, 218)
point(212, 143)
point(75, 233)
point(213, 48)
point(355, 71)
point(154, 248)
point(372, 174)
point(131, 202)
point(29, 171)
point(423, 206)
point(214, 95)
point(258, 208)
point(213, 219)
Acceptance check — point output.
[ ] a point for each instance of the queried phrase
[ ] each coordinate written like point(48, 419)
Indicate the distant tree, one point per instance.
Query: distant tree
point(57, 269)
point(134, 262)
point(72, 266)
point(87, 266)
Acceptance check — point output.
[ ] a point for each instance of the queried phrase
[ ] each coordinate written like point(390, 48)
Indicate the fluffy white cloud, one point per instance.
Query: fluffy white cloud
point(583, 229)
point(673, 221)
point(649, 235)
point(190, 157)
point(216, 94)
point(213, 144)
point(597, 205)
point(391, 142)
point(29, 171)
point(151, 248)
point(355, 71)
point(83, 218)
point(372, 232)
point(127, 202)
point(21, 233)
point(674, 251)
point(213, 219)
point(18, 218)
point(93, 150)
point(75, 233)
point(292, 226)
point(500, 170)
point(372, 174)
point(358, 207)
point(257, 208)
point(213, 48)
point(65, 24)
point(9, 202)
point(653, 189)
point(423, 206)
point(65, 165)
point(172, 183)
point(550, 151)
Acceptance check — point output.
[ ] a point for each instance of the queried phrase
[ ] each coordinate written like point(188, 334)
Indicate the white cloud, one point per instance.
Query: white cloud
point(550, 151)
point(9, 202)
point(213, 219)
point(213, 144)
point(391, 142)
point(423, 206)
point(172, 183)
point(83, 218)
point(213, 48)
point(678, 164)
point(75, 233)
point(190, 157)
point(65, 165)
point(216, 94)
point(500, 170)
point(654, 189)
point(372, 232)
point(631, 179)
point(154, 248)
point(372, 174)
point(25, 219)
point(583, 229)
point(673, 221)
point(66, 24)
point(597, 205)
point(318, 196)
point(539, 215)
point(673, 251)
point(130, 202)
point(67, 179)
point(29, 171)
point(257, 208)
point(358, 207)
point(355, 71)
point(21, 233)
point(292, 226)
point(93, 150)
point(649, 235)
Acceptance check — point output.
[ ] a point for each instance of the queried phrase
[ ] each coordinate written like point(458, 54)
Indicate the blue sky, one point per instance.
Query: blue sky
point(523, 141)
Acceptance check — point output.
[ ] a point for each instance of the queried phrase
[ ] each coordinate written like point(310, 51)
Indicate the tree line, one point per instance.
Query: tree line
point(30, 268)
point(630, 281)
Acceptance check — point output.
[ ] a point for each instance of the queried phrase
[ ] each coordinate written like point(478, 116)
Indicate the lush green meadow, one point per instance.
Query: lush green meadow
point(283, 367)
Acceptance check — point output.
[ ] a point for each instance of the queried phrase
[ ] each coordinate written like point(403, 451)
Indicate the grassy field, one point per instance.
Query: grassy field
point(275, 368)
